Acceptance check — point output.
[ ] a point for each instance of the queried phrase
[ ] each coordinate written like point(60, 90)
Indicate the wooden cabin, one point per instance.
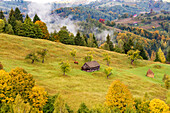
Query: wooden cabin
point(91, 66)
point(150, 74)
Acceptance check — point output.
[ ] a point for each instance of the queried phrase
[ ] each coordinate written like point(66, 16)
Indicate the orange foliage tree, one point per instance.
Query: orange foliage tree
point(44, 29)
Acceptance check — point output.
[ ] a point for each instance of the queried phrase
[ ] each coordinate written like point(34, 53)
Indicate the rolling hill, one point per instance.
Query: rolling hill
point(79, 86)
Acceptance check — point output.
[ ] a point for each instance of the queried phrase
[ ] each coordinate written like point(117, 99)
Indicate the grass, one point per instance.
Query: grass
point(79, 86)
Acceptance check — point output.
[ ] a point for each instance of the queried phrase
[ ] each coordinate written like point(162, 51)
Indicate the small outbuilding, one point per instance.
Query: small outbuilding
point(91, 66)
point(150, 74)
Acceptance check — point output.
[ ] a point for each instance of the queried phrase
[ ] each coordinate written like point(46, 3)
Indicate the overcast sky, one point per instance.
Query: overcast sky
point(46, 1)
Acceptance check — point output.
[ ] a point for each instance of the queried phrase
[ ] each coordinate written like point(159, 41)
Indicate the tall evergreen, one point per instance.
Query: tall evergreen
point(128, 45)
point(109, 42)
point(142, 51)
point(18, 15)
point(2, 15)
point(11, 19)
point(95, 41)
point(36, 18)
point(168, 56)
point(78, 39)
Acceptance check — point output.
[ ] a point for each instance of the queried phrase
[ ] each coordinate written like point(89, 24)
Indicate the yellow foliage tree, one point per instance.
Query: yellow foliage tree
point(22, 81)
point(6, 88)
point(38, 97)
point(19, 106)
point(44, 29)
point(119, 96)
point(161, 56)
point(158, 106)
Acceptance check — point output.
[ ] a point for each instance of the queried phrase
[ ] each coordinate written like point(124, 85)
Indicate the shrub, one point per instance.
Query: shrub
point(83, 109)
point(1, 66)
point(119, 96)
point(158, 106)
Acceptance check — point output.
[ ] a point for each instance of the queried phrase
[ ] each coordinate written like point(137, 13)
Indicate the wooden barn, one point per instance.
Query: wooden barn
point(150, 74)
point(91, 66)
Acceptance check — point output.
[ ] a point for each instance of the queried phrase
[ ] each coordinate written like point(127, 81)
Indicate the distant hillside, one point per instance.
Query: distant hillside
point(79, 86)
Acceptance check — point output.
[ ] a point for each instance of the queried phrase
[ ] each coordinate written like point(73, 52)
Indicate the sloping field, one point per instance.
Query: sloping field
point(79, 86)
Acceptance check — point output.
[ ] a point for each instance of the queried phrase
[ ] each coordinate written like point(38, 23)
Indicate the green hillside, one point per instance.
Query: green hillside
point(79, 86)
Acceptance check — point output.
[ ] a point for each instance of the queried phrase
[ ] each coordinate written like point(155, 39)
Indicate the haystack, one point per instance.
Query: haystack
point(150, 74)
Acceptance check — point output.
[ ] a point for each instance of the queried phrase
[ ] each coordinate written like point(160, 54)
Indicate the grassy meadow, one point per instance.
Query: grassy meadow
point(79, 86)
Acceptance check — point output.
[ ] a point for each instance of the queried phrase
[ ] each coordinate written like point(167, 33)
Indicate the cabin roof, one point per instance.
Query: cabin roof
point(92, 64)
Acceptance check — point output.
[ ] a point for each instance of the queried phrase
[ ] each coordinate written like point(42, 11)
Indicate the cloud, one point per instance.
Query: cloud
point(54, 22)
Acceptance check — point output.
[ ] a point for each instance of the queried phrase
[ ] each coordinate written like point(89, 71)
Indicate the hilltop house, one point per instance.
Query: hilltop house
point(91, 66)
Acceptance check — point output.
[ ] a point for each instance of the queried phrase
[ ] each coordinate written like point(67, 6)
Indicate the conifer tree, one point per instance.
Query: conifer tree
point(2, 15)
point(11, 19)
point(36, 18)
point(109, 42)
point(18, 15)
point(95, 41)
point(168, 56)
point(78, 39)
point(128, 45)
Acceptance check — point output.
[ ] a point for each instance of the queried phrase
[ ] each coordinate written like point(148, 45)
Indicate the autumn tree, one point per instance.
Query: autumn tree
point(168, 56)
point(2, 15)
point(65, 67)
point(153, 56)
point(38, 97)
point(73, 54)
point(2, 25)
point(107, 58)
point(6, 89)
point(19, 106)
point(44, 29)
point(22, 81)
point(88, 57)
point(108, 72)
point(43, 54)
point(36, 18)
point(158, 106)
point(60, 105)
point(119, 96)
point(134, 55)
point(18, 15)
point(161, 56)
point(33, 57)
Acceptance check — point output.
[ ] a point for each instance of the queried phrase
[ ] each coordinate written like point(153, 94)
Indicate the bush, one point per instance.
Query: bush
point(83, 109)
point(1, 66)
point(119, 96)
point(158, 106)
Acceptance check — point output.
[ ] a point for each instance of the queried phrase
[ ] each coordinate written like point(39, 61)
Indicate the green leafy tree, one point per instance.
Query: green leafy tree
point(33, 57)
point(65, 67)
point(73, 54)
point(2, 25)
point(8, 29)
point(83, 109)
point(134, 55)
point(42, 54)
point(108, 72)
point(88, 57)
point(107, 58)
point(119, 96)
point(64, 36)
point(2, 15)
point(36, 18)
point(18, 15)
